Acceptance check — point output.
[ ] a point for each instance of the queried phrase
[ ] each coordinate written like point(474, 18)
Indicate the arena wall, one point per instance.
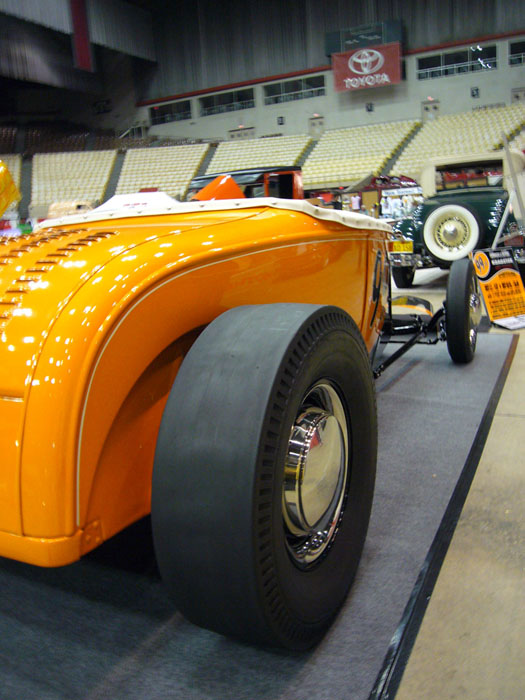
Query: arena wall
point(406, 100)
point(203, 44)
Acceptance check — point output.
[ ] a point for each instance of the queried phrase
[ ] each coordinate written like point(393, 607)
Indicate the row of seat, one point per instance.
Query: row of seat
point(457, 134)
point(347, 155)
point(169, 169)
point(7, 139)
point(259, 153)
point(341, 156)
point(69, 176)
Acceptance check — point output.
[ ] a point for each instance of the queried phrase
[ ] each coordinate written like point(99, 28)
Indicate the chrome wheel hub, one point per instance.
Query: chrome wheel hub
point(315, 475)
point(452, 233)
point(475, 311)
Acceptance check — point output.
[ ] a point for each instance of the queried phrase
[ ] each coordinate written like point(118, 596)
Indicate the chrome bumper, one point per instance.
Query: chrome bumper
point(411, 260)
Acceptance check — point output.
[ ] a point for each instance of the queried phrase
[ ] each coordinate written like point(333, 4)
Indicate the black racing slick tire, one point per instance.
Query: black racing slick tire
point(264, 473)
point(403, 276)
point(463, 311)
point(451, 232)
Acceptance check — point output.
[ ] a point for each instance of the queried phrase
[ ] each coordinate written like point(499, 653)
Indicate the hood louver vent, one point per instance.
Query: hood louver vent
point(13, 296)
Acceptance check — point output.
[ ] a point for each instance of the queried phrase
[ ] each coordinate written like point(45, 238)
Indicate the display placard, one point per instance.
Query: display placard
point(500, 282)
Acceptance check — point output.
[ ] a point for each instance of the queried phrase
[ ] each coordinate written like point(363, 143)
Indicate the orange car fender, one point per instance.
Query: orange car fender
point(116, 349)
point(125, 459)
point(101, 344)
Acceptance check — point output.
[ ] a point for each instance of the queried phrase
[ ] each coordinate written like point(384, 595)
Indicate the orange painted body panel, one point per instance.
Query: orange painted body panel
point(9, 192)
point(223, 187)
point(95, 319)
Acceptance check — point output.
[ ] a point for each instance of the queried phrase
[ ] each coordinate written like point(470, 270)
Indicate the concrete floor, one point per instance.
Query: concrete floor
point(471, 644)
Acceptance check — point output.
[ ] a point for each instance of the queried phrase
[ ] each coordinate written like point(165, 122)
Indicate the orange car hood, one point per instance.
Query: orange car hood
point(41, 272)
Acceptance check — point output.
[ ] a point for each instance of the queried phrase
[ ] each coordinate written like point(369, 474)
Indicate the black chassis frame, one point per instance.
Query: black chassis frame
point(418, 329)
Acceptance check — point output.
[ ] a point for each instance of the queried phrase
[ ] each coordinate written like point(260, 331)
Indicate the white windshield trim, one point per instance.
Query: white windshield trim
point(350, 219)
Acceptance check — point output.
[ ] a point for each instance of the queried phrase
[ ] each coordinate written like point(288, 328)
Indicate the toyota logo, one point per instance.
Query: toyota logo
point(366, 61)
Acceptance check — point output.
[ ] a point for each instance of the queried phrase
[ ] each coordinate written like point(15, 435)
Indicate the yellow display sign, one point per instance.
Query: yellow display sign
point(8, 190)
point(500, 282)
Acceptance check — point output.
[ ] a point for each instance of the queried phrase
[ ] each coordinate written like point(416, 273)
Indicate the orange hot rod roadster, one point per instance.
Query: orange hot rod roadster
point(209, 363)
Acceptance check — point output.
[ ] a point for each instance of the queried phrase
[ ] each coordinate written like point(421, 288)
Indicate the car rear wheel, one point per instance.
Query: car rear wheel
point(463, 311)
point(451, 232)
point(264, 473)
point(403, 276)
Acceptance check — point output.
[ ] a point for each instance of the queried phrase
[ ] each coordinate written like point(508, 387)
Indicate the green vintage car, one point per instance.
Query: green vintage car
point(467, 206)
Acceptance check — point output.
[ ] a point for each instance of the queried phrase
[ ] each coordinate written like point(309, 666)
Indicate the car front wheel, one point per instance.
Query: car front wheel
point(463, 311)
point(264, 473)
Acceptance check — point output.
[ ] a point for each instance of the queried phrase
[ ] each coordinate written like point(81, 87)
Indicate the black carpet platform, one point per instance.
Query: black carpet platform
point(103, 628)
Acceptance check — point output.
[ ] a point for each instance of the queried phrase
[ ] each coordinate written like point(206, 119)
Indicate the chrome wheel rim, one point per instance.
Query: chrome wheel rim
point(452, 234)
point(474, 310)
point(315, 475)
